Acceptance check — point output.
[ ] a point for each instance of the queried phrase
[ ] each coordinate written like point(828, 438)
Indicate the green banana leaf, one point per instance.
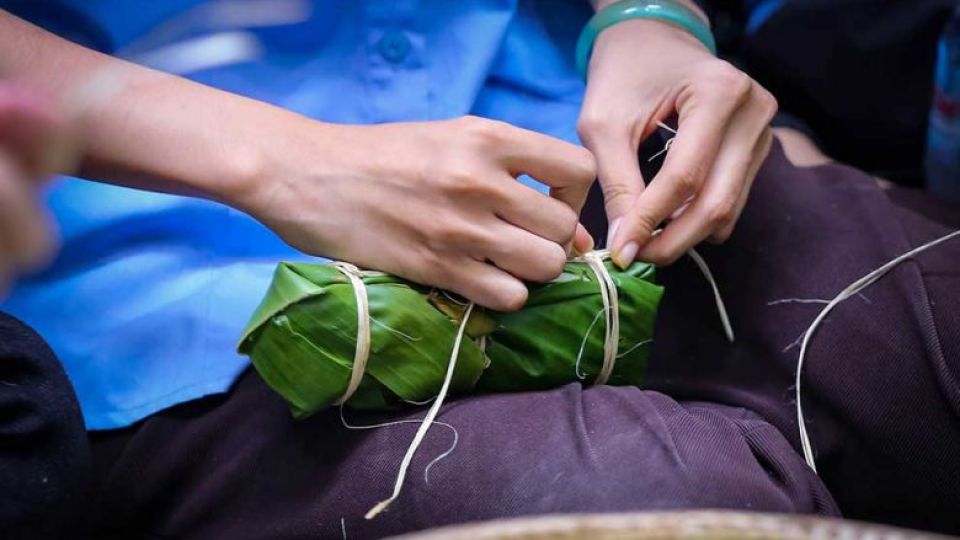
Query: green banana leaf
point(302, 338)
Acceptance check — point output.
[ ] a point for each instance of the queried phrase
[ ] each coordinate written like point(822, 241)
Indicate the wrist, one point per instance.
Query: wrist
point(254, 168)
point(638, 35)
point(690, 4)
point(613, 17)
point(291, 159)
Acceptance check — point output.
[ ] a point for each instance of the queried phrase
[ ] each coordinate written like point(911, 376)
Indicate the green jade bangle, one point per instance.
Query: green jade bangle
point(662, 10)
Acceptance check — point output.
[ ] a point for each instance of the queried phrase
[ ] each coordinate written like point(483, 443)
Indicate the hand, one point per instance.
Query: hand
point(436, 202)
point(642, 72)
point(32, 146)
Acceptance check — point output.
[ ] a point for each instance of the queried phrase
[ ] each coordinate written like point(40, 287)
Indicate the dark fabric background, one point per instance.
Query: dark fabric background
point(859, 72)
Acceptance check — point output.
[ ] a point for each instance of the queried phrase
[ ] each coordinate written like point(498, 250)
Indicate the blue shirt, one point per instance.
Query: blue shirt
point(150, 292)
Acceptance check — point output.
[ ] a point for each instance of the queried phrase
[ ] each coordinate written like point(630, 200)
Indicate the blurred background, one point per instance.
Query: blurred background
point(864, 78)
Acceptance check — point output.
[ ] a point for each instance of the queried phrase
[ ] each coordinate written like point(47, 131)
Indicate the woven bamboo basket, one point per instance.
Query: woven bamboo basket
point(708, 525)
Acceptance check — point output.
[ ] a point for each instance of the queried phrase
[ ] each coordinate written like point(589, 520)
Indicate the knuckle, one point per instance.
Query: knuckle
point(588, 126)
point(686, 180)
point(510, 298)
point(729, 81)
point(464, 182)
point(617, 194)
point(430, 261)
point(722, 235)
point(551, 264)
point(586, 166)
point(431, 268)
point(442, 234)
point(768, 102)
point(485, 132)
point(644, 225)
point(594, 126)
point(460, 177)
point(438, 235)
point(555, 262)
point(567, 221)
point(661, 256)
point(722, 212)
point(426, 268)
point(468, 122)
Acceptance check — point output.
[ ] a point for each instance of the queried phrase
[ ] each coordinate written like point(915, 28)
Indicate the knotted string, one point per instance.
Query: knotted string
point(611, 311)
point(852, 290)
point(362, 352)
point(701, 264)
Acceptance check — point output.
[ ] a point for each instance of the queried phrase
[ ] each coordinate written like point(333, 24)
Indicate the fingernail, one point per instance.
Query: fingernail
point(585, 246)
point(624, 258)
point(614, 225)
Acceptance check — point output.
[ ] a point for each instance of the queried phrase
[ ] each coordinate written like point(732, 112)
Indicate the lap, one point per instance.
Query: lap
point(880, 387)
point(716, 428)
point(240, 467)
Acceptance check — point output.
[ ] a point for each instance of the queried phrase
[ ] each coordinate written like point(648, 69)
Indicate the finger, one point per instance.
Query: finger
point(619, 173)
point(708, 212)
point(718, 205)
point(522, 254)
point(533, 211)
point(567, 169)
point(32, 132)
point(583, 240)
point(24, 229)
point(702, 124)
point(484, 284)
point(763, 149)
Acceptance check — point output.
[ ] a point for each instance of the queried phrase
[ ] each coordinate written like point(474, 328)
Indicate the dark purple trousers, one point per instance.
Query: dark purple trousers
point(44, 451)
point(714, 429)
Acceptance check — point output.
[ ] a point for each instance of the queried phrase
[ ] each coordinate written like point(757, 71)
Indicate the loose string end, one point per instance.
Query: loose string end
point(428, 420)
point(380, 507)
point(853, 289)
point(721, 307)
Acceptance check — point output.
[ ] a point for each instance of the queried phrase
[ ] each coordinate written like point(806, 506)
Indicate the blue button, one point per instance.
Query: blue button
point(394, 46)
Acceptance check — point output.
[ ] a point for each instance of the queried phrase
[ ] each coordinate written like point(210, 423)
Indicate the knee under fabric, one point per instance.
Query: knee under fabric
point(45, 459)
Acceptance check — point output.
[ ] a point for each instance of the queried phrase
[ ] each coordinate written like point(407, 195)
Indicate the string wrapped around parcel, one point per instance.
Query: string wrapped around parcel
point(305, 338)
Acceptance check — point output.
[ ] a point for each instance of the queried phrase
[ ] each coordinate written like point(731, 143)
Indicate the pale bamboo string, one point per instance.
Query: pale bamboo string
point(608, 291)
point(721, 308)
point(362, 351)
point(583, 344)
point(427, 420)
point(851, 290)
point(611, 311)
point(666, 145)
point(635, 347)
point(697, 259)
point(438, 459)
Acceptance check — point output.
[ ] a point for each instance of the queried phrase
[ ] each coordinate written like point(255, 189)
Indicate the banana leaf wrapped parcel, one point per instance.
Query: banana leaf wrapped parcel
point(303, 338)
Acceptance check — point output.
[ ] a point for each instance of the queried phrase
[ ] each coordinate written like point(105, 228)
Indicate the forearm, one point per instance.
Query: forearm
point(146, 129)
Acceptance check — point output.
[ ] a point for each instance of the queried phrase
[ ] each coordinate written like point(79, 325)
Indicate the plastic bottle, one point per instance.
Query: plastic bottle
point(943, 134)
